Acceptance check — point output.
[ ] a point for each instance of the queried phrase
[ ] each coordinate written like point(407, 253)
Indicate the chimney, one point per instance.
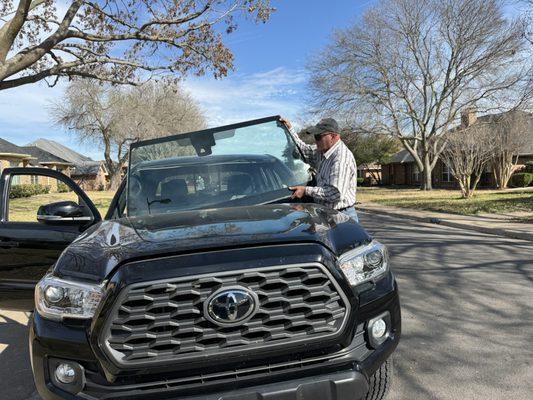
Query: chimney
point(468, 117)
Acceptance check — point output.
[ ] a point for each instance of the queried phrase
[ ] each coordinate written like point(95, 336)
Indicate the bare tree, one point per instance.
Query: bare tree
point(508, 135)
point(410, 66)
point(370, 150)
point(112, 40)
point(113, 117)
point(467, 152)
point(529, 20)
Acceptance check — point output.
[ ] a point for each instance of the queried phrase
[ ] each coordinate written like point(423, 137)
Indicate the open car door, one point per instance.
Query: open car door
point(41, 212)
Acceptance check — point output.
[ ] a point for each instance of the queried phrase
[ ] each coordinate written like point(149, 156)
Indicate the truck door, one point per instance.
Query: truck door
point(41, 212)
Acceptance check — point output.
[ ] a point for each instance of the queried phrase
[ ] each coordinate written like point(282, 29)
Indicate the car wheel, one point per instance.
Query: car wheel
point(380, 383)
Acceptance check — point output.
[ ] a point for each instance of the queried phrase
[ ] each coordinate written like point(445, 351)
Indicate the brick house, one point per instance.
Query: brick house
point(12, 155)
point(91, 176)
point(401, 170)
point(371, 173)
point(87, 173)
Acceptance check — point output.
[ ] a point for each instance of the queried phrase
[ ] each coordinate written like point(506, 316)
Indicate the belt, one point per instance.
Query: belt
point(345, 208)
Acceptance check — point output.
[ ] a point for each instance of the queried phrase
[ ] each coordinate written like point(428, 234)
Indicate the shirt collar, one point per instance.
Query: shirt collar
point(332, 150)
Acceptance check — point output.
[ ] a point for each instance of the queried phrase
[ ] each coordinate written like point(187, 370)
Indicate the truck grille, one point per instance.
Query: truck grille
point(153, 322)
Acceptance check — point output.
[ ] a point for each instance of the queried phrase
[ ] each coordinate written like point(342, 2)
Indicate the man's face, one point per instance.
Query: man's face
point(325, 141)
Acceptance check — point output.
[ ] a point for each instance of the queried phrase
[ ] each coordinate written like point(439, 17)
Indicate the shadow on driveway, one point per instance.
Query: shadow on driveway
point(467, 320)
point(15, 369)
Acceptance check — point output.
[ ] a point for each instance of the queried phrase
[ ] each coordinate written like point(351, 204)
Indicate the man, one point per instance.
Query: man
point(336, 178)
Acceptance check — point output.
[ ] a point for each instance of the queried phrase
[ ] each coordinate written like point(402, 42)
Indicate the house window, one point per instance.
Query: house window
point(416, 174)
point(34, 179)
point(446, 173)
point(16, 179)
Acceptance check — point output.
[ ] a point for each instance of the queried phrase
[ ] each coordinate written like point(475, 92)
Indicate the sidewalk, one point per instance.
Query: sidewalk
point(497, 224)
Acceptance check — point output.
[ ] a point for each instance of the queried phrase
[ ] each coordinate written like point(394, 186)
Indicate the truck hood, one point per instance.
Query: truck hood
point(102, 248)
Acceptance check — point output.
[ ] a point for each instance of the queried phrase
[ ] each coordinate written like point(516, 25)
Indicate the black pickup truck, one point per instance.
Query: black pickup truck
point(204, 280)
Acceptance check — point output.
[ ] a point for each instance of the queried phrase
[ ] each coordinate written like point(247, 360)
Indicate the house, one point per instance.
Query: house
point(91, 176)
point(371, 173)
point(12, 155)
point(41, 158)
point(87, 173)
point(402, 169)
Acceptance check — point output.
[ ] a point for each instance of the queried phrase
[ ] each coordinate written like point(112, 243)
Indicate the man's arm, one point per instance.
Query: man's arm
point(309, 151)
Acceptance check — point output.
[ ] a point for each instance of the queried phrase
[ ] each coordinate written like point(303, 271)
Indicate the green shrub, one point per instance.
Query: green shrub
point(20, 191)
point(360, 181)
point(62, 188)
point(101, 187)
point(529, 167)
point(522, 179)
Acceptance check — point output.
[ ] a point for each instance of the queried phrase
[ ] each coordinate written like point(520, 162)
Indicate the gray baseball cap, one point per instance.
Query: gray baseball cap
point(325, 125)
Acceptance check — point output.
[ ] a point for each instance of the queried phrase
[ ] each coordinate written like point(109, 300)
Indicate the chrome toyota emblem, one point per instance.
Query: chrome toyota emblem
point(230, 306)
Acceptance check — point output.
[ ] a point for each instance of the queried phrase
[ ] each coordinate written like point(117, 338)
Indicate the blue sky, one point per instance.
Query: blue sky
point(269, 79)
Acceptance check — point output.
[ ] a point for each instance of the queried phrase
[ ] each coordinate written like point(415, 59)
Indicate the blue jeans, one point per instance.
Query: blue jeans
point(350, 212)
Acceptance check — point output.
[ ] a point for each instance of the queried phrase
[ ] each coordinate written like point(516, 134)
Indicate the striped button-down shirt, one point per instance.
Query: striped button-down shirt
point(336, 176)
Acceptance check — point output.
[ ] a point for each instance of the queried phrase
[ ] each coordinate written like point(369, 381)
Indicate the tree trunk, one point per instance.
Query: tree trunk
point(476, 181)
point(468, 192)
point(501, 171)
point(114, 178)
point(426, 174)
point(376, 176)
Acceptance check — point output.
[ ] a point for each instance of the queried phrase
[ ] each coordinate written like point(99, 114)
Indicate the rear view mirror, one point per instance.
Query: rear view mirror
point(63, 212)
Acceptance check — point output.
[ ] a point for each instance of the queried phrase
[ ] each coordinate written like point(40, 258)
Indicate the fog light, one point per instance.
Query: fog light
point(65, 373)
point(379, 329)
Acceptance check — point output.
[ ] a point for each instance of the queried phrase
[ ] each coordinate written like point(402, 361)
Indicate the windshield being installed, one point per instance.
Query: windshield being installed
point(244, 164)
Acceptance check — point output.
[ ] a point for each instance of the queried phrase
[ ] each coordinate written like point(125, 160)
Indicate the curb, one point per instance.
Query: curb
point(439, 221)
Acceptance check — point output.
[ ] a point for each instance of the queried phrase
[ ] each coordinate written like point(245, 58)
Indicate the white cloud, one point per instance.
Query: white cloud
point(242, 97)
point(24, 116)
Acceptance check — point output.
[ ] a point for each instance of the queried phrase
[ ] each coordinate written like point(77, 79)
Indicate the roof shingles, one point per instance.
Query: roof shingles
point(10, 148)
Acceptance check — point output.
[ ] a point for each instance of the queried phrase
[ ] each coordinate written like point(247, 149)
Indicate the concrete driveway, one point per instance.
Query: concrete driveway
point(467, 316)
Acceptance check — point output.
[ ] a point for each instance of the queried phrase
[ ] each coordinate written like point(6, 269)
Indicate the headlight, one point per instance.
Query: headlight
point(366, 263)
point(58, 298)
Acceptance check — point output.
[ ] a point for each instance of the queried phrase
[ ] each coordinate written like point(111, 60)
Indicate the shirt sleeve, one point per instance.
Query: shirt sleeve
point(309, 151)
point(336, 183)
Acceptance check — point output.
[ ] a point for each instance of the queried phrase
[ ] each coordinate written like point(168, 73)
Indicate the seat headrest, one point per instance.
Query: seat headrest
point(174, 189)
point(240, 184)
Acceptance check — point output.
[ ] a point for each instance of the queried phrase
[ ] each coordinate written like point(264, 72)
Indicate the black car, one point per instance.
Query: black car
point(203, 281)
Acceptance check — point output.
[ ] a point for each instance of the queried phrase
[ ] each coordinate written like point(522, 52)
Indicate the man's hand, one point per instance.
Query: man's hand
point(285, 122)
point(298, 192)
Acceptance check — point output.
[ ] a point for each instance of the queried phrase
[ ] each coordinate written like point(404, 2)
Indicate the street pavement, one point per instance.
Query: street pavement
point(467, 316)
point(510, 224)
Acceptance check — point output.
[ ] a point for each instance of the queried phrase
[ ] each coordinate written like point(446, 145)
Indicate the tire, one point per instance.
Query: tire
point(380, 383)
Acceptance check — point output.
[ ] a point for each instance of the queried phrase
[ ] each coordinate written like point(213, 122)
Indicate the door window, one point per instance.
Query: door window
point(27, 193)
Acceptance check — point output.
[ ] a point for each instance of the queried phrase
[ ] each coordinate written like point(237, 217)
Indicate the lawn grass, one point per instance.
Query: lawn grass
point(25, 209)
point(450, 201)
point(438, 200)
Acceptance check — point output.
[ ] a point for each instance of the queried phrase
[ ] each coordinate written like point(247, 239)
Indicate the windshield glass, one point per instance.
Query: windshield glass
point(243, 164)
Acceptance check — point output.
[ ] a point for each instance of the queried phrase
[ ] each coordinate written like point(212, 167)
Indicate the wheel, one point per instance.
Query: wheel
point(381, 382)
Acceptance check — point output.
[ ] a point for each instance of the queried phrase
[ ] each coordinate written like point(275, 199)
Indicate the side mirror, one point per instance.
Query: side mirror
point(63, 213)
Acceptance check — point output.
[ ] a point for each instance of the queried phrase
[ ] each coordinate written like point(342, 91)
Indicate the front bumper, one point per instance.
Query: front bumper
point(348, 385)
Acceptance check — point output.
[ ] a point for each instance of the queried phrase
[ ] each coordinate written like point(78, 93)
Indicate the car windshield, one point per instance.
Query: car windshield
point(243, 164)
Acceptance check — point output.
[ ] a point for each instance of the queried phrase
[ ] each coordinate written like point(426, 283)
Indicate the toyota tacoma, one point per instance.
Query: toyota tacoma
point(204, 280)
